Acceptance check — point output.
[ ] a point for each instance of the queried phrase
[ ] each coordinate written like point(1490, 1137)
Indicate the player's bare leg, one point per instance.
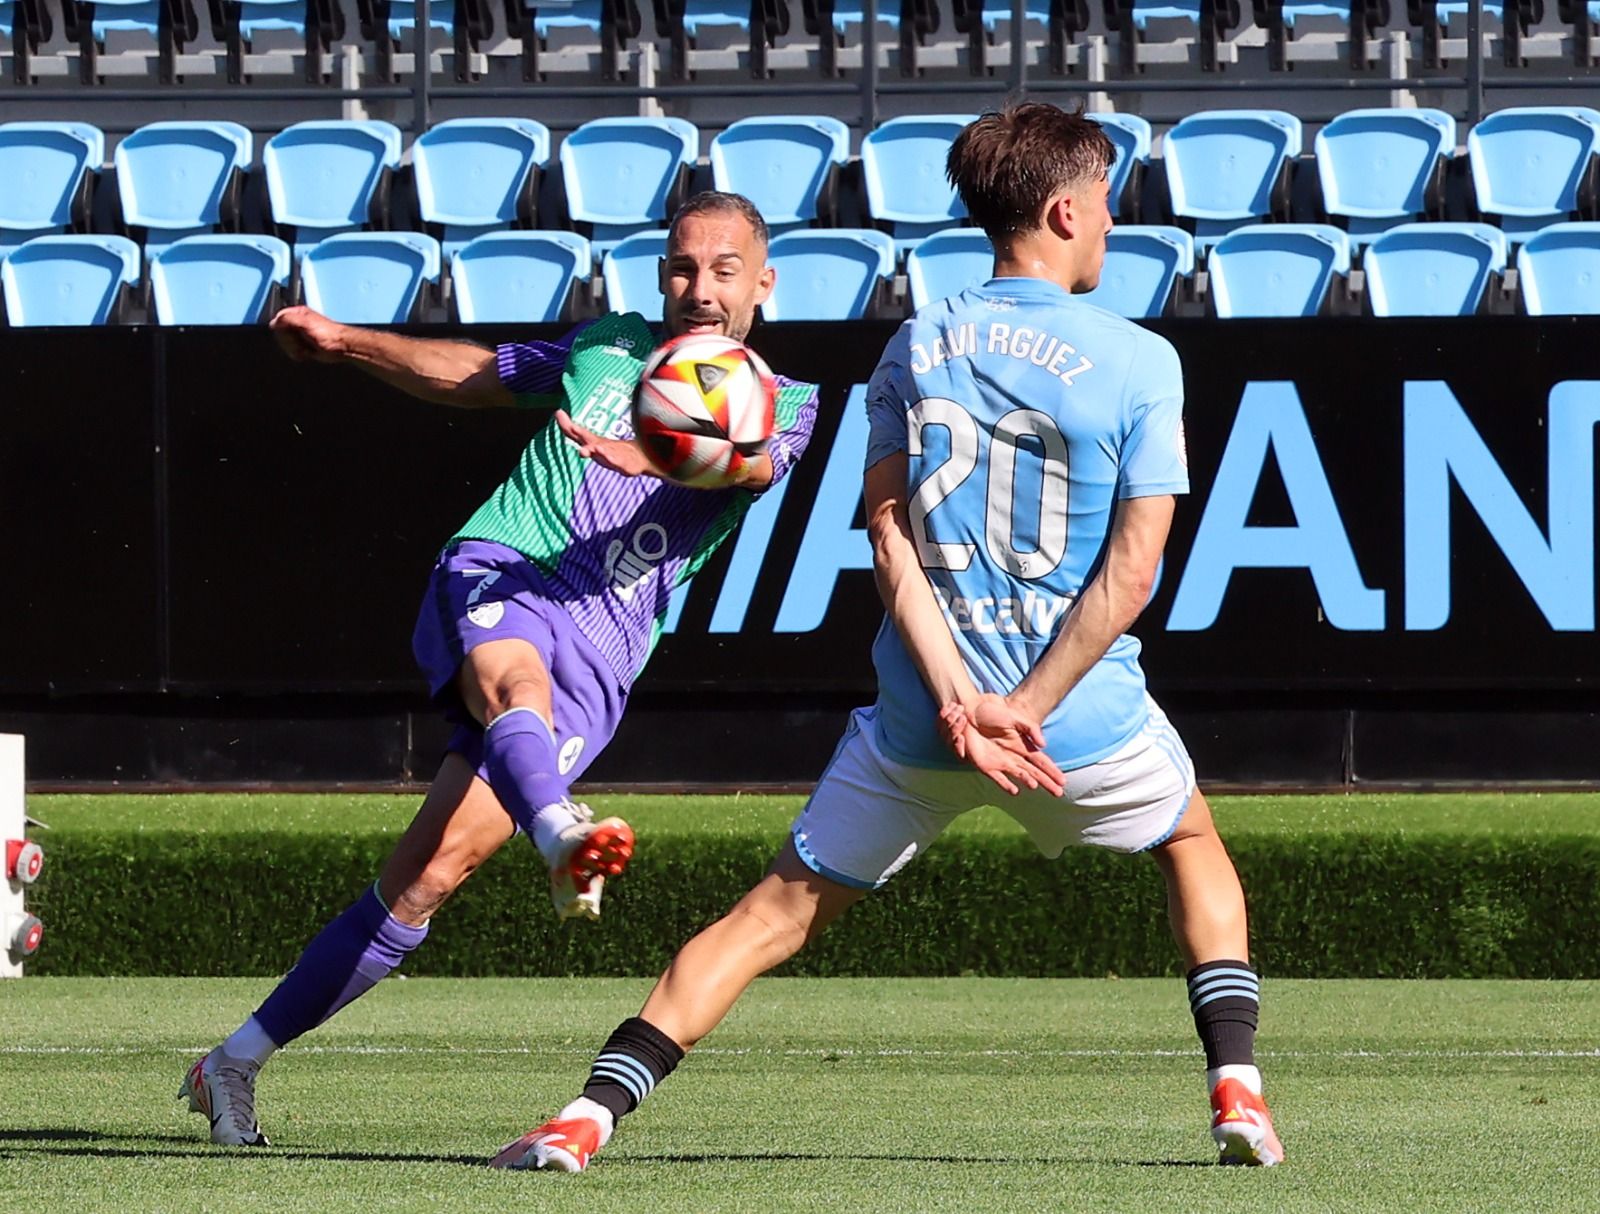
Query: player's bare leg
point(506, 686)
point(459, 825)
point(1206, 906)
point(789, 907)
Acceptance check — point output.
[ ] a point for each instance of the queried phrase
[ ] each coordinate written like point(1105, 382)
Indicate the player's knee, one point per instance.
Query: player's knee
point(774, 932)
point(514, 689)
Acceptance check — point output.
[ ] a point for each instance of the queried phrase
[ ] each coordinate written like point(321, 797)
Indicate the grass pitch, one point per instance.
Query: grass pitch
point(862, 1095)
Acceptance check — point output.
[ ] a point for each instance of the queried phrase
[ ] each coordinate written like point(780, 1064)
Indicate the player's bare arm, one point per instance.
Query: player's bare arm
point(624, 455)
point(445, 372)
point(908, 598)
point(1107, 607)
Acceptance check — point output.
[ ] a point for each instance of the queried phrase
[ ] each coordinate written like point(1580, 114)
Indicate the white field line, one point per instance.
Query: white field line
point(843, 1052)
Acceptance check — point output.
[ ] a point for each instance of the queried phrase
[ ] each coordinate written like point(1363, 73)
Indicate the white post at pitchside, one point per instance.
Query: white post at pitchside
point(19, 931)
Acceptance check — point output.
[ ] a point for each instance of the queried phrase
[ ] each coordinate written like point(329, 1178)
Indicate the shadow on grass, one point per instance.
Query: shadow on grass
point(93, 1144)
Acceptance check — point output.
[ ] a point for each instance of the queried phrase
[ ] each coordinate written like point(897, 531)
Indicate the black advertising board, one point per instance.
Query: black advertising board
point(1397, 504)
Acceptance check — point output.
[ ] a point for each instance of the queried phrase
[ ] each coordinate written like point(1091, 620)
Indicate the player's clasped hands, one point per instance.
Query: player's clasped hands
point(1002, 742)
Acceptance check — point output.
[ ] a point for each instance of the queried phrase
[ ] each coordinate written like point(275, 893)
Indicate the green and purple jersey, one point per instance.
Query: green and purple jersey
point(612, 548)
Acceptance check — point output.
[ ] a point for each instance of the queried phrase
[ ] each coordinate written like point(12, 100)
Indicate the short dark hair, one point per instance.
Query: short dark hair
point(1008, 164)
point(717, 202)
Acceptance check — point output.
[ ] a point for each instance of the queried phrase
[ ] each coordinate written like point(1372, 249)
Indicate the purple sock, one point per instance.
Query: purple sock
point(344, 962)
point(519, 753)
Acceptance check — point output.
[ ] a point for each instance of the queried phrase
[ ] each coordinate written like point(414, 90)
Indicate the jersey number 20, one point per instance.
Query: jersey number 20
point(1000, 509)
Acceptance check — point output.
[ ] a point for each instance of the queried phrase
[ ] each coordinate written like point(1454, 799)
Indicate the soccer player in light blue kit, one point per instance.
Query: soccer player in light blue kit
point(1024, 452)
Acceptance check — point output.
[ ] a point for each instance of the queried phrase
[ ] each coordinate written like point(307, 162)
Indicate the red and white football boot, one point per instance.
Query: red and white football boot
point(565, 1146)
point(1242, 1126)
point(591, 852)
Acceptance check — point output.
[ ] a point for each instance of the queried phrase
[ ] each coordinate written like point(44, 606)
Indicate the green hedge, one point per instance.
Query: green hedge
point(1363, 902)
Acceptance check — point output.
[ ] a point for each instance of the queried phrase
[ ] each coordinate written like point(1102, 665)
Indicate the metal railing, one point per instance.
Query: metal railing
point(1471, 84)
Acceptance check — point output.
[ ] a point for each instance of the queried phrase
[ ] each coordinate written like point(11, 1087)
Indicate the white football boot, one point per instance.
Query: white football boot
point(590, 852)
point(224, 1089)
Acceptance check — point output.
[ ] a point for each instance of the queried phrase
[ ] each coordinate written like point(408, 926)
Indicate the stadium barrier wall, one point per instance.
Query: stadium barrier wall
point(1385, 571)
point(1408, 904)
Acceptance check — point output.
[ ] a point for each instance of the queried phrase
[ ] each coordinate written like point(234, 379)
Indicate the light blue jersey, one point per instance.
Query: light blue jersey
point(1026, 414)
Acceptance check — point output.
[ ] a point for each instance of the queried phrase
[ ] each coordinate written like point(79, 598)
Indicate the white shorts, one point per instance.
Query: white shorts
point(870, 816)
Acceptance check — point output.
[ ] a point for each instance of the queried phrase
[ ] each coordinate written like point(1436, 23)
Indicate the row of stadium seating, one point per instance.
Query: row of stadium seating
point(388, 25)
point(1436, 269)
point(1372, 170)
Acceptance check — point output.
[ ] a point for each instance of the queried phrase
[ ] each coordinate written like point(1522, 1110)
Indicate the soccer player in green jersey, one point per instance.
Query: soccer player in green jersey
point(540, 613)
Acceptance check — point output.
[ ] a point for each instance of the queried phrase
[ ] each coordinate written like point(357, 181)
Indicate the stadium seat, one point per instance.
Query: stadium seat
point(831, 21)
point(828, 274)
point(682, 21)
point(237, 23)
point(614, 23)
point(1230, 168)
point(1130, 18)
point(980, 20)
point(171, 23)
point(623, 175)
point(26, 25)
point(477, 175)
point(902, 165)
point(789, 167)
point(1432, 269)
point(369, 278)
point(1382, 168)
point(1434, 17)
point(68, 280)
point(1559, 269)
point(217, 280)
point(947, 263)
point(518, 276)
point(328, 177)
point(1142, 266)
point(631, 272)
point(1131, 135)
point(1535, 166)
point(48, 170)
point(177, 179)
point(1280, 18)
point(1276, 269)
point(386, 23)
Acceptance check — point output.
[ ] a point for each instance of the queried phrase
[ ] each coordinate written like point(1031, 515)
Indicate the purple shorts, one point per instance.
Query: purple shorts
point(481, 591)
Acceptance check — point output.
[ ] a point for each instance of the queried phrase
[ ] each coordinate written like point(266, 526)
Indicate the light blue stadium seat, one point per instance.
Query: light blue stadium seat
point(1223, 165)
point(1131, 135)
point(272, 16)
point(403, 16)
point(1559, 269)
point(715, 14)
point(1276, 269)
point(849, 14)
point(178, 179)
point(1376, 165)
point(126, 17)
point(477, 175)
point(1033, 10)
point(828, 274)
point(782, 164)
point(620, 173)
point(369, 278)
point(1450, 10)
point(1527, 164)
point(1293, 10)
point(947, 263)
point(632, 274)
point(578, 14)
point(44, 168)
point(67, 280)
point(217, 280)
point(322, 176)
point(1145, 11)
point(1432, 269)
point(518, 276)
point(1142, 265)
point(902, 163)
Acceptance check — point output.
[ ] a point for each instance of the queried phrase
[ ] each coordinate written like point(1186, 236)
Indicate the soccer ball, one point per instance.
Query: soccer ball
point(704, 409)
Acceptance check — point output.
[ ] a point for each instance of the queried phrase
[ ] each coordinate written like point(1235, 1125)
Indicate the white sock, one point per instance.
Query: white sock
point(250, 1043)
point(1250, 1076)
point(548, 824)
point(584, 1107)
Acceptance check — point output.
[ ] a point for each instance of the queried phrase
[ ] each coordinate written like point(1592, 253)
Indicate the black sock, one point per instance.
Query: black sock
point(1225, 997)
point(634, 1059)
